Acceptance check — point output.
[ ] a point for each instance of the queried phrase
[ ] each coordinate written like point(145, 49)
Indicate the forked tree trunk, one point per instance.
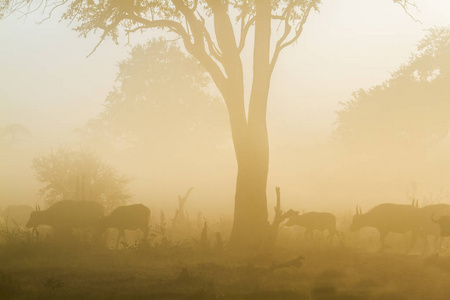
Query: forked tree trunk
point(249, 133)
point(250, 227)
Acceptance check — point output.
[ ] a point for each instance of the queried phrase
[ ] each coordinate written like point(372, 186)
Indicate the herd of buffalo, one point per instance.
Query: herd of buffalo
point(431, 220)
point(66, 215)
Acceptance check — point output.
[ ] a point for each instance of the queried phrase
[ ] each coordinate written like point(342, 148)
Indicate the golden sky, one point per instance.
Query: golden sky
point(351, 44)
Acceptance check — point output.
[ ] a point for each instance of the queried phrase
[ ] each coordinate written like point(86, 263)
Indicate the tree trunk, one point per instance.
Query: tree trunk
point(250, 227)
point(249, 134)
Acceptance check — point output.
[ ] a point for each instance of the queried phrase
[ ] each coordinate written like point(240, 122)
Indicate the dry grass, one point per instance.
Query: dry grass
point(146, 273)
point(165, 269)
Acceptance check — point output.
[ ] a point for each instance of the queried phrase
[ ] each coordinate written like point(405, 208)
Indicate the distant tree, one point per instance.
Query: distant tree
point(79, 175)
point(9, 134)
point(206, 28)
point(411, 109)
point(161, 101)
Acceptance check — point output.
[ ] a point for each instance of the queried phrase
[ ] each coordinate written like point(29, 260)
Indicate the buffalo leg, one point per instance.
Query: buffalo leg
point(382, 240)
point(330, 237)
point(309, 234)
point(104, 238)
point(335, 233)
point(145, 231)
point(119, 237)
point(413, 242)
point(426, 246)
point(437, 243)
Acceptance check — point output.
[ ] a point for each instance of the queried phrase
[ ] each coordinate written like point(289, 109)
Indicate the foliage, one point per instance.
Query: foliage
point(110, 15)
point(410, 109)
point(79, 175)
point(187, 19)
point(161, 99)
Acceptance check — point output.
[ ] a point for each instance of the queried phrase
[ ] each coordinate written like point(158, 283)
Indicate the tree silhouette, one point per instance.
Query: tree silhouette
point(411, 109)
point(220, 54)
point(10, 133)
point(79, 175)
point(160, 103)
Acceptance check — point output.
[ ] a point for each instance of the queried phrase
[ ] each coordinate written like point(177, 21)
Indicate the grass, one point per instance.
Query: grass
point(327, 273)
point(169, 270)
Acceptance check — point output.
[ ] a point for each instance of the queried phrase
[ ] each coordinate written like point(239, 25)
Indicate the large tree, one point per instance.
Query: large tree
point(410, 110)
point(219, 51)
point(161, 105)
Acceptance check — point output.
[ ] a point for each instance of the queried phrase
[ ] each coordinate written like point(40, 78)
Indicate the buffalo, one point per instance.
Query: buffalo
point(388, 217)
point(444, 224)
point(428, 226)
point(131, 217)
point(311, 221)
point(67, 214)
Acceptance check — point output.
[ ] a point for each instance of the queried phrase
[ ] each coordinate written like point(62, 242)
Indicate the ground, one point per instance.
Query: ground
point(181, 273)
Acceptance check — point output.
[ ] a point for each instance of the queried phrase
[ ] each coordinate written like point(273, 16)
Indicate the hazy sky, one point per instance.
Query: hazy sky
point(48, 84)
point(46, 81)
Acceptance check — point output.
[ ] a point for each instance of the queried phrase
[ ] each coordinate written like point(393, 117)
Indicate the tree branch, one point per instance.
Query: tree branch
point(195, 48)
point(404, 4)
point(213, 49)
point(106, 31)
point(56, 5)
point(244, 31)
point(281, 44)
point(198, 47)
point(231, 60)
point(224, 34)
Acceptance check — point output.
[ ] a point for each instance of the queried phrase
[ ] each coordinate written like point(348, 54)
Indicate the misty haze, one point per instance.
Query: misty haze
point(232, 149)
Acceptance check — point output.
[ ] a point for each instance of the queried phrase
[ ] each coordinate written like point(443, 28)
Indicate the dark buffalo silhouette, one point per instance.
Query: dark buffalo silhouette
point(429, 227)
point(311, 221)
point(131, 217)
point(444, 224)
point(67, 214)
point(388, 217)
